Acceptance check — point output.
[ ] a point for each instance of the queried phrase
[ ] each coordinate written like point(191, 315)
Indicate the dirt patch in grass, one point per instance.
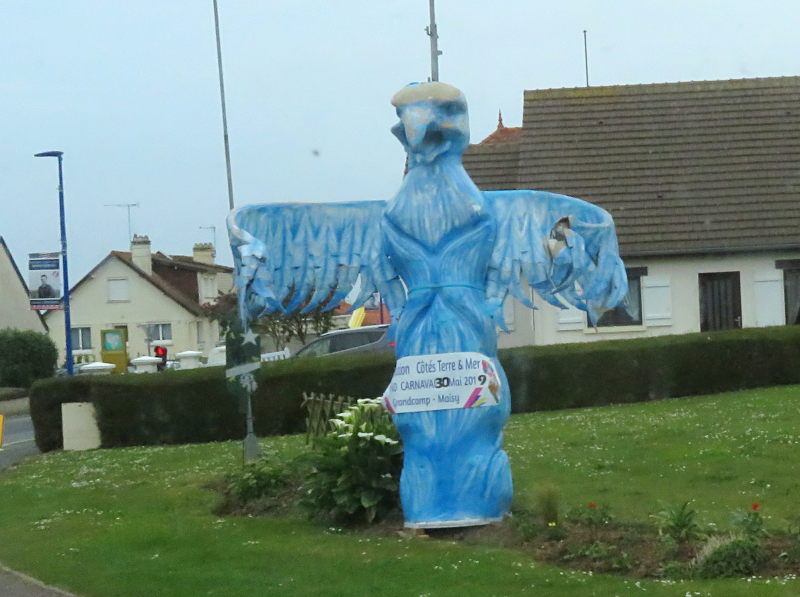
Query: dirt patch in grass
point(629, 550)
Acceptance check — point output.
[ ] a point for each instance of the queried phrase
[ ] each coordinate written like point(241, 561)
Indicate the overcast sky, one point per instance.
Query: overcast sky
point(129, 91)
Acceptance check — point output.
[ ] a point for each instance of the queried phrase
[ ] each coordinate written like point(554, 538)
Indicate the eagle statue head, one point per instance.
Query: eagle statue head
point(433, 121)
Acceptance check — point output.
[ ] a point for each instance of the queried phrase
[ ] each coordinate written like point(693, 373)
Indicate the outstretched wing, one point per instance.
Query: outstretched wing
point(564, 248)
point(300, 256)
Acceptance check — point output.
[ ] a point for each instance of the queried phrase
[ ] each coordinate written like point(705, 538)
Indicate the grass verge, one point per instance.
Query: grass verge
point(139, 521)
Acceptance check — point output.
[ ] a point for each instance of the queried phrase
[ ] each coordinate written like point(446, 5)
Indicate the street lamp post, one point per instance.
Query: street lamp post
point(67, 322)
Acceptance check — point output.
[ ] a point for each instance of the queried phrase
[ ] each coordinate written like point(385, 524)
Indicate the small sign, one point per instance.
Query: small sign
point(44, 281)
point(442, 381)
point(242, 359)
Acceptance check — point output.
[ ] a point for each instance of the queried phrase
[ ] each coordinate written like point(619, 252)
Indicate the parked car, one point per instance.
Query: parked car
point(370, 338)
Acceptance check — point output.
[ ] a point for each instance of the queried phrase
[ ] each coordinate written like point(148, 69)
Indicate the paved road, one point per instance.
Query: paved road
point(17, 441)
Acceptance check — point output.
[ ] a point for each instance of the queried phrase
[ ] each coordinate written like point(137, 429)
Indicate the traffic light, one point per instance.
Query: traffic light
point(161, 352)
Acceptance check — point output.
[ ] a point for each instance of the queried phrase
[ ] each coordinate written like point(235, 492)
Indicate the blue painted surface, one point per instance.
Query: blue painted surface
point(444, 256)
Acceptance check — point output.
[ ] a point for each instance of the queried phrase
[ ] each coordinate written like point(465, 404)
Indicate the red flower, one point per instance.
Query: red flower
point(592, 505)
point(755, 507)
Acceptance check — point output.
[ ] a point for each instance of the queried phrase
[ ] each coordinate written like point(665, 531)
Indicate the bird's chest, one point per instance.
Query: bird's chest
point(436, 212)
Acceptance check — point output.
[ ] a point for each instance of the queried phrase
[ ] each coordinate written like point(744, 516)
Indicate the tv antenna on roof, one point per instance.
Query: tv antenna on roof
point(434, 35)
point(127, 205)
point(213, 230)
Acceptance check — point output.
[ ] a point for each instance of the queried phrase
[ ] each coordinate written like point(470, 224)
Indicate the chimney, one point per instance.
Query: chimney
point(140, 253)
point(204, 253)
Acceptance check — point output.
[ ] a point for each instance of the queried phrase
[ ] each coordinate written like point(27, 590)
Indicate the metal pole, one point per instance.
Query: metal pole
point(250, 444)
point(434, 35)
point(67, 321)
point(224, 115)
point(586, 57)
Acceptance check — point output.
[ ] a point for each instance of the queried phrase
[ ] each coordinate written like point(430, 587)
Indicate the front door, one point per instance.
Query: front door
point(720, 301)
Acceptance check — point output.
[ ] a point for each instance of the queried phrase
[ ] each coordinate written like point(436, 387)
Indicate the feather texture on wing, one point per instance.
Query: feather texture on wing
point(300, 256)
point(564, 248)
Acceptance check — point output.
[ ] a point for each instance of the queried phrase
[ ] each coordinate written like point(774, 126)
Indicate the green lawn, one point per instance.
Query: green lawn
point(138, 521)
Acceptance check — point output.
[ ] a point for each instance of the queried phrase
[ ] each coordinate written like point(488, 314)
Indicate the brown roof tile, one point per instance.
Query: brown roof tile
point(683, 167)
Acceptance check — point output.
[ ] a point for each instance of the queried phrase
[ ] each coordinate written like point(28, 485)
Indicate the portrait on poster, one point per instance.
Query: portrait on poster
point(44, 280)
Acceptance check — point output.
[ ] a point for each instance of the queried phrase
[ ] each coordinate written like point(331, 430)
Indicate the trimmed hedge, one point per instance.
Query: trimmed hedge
point(193, 406)
point(25, 356)
point(166, 408)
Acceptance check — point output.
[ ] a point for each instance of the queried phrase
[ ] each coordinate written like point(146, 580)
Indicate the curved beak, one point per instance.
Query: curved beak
point(416, 120)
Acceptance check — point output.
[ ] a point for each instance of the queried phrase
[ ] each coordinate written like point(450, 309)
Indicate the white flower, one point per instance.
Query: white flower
point(345, 435)
point(366, 434)
point(338, 423)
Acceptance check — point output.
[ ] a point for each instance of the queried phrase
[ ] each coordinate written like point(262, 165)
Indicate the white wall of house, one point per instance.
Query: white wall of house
point(118, 296)
point(670, 301)
point(15, 311)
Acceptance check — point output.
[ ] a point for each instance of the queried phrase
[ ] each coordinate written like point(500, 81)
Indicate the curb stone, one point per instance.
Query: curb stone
point(17, 406)
point(17, 584)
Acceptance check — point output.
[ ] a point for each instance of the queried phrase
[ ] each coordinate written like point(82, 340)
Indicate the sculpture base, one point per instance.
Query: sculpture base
point(449, 524)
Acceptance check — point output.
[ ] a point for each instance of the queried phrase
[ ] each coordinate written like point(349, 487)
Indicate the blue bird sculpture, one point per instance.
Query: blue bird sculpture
point(444, 256)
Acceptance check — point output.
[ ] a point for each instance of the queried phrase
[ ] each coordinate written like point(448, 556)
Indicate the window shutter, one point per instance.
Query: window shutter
point(571, 319)
point(118, 289)
point(769, 307)
point(656, 301)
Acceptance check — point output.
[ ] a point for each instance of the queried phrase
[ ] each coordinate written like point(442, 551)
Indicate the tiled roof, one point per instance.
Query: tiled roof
point(683, 167)
point(187, 297)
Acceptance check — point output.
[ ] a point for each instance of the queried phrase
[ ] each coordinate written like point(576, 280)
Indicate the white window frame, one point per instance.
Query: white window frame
point(158, 333)
point(78, 346)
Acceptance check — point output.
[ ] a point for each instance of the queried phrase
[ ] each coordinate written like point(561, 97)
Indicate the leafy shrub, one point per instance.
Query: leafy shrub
point(525, 523)
point(750, 522)
point(676, 570)
point(605, 553)
point(547, 504)
point(592, 515)
point(25, 356)
point(257, 479)
point(678, 521)
point(724, 557)
point(356, 467)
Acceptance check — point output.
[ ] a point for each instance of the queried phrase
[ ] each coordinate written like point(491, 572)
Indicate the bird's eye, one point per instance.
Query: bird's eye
point(451, 107)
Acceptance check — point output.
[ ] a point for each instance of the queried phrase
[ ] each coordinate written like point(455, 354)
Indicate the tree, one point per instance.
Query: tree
point(281, 327)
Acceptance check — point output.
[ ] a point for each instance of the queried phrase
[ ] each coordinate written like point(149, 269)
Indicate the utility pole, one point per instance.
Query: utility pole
point(434, 35)
point(127, 205)
point(224, 113)
point(586, 57)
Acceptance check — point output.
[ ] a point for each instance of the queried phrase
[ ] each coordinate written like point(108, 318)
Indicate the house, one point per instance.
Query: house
point(156, 299)
point(15, 306)
point(703, 182)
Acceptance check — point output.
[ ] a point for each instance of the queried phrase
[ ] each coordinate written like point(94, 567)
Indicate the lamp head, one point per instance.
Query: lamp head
point(49, 154)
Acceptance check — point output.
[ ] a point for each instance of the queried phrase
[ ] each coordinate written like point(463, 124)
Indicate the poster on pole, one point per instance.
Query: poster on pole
point(44, 281)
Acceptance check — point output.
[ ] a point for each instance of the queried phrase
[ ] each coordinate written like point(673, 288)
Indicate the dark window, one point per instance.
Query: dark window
point(81, 338)
point(317, 348)
point(791, 295)
point(346, 341)
point(720, 301)
point(629, 311)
